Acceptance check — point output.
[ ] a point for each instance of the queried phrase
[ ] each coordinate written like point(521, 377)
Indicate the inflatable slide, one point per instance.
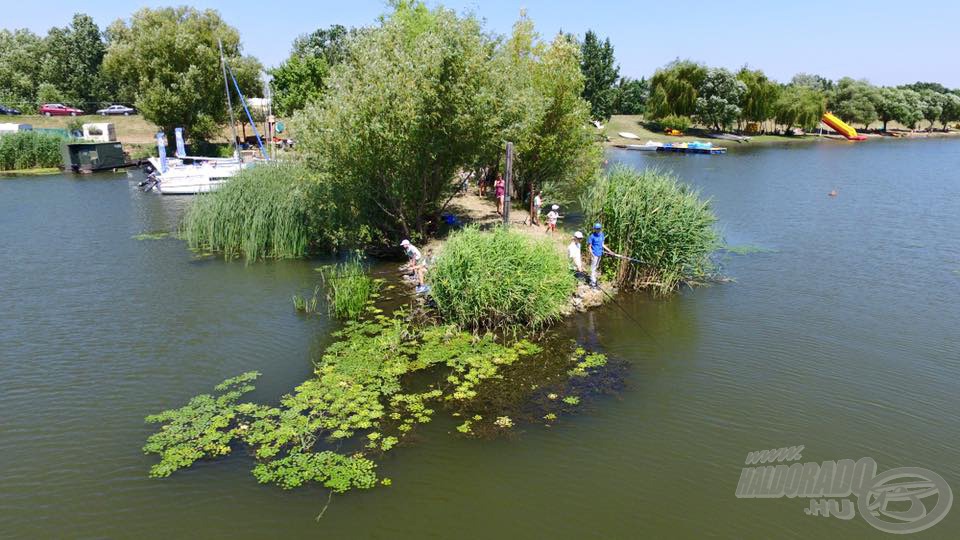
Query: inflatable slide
point(841, 127)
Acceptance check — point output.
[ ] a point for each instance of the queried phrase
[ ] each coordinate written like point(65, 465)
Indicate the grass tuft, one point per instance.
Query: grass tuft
point(498, 280)
point(349, 288)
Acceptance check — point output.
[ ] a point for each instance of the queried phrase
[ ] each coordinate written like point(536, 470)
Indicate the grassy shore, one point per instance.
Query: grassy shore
point(131, 130)
point(29, 172)
point(635, 124)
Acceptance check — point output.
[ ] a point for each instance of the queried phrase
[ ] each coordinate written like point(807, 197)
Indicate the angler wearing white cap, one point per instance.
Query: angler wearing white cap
point(413, 254)
point(552, 216)
point(574, 252)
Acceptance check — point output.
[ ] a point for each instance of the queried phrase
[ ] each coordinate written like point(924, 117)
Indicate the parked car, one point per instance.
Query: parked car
point(117, 109)
point(58, 109)
point(8, 110)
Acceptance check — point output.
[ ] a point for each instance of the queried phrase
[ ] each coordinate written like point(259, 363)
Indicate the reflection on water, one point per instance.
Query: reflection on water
point(840, 335)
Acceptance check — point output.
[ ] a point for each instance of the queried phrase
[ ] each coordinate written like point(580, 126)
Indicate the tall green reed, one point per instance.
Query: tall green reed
point(349, 288)
point(29, 149)
point(262, 212)
point(652, 217)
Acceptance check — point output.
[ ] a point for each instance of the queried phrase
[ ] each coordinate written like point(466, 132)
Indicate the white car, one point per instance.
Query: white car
point(117, 109)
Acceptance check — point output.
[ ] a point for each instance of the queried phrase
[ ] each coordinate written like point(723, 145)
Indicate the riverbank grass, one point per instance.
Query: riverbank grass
point(261, 213)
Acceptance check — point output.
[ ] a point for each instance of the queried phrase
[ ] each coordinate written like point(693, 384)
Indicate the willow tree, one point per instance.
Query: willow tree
point(674, 89)
point(541, 110)
point(758, 102)
point(401, 115)
point(800, 106)
point(427, 95)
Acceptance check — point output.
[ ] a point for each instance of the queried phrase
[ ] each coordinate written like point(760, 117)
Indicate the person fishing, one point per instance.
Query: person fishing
point(598, 247)
point(414, 258)
point(574, 253)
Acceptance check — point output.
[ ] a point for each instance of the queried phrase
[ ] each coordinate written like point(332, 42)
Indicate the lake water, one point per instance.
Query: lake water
point(840, 334)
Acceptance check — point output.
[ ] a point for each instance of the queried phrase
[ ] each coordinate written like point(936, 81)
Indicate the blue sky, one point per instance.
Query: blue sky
point(884, 41)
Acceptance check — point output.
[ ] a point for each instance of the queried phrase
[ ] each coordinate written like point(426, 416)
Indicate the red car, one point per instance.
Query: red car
point(57, 109)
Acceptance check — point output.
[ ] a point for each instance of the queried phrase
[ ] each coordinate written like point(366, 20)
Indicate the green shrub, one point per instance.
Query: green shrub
point(652, 217)
point(500, 279)
point(261, 212)
point(679, 123)
point(28, 149)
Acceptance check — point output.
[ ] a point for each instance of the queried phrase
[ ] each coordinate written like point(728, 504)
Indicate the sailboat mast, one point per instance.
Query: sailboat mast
point(226, 88)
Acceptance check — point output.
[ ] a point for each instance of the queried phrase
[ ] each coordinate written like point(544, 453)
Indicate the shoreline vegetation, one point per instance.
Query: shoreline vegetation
point(637, 125)
point(393, 123)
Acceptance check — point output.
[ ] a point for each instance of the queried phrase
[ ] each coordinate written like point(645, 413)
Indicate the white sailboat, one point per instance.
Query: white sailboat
point(189, 175)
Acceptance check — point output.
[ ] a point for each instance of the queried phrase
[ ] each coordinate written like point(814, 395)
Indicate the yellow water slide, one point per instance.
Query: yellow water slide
point(841, 127)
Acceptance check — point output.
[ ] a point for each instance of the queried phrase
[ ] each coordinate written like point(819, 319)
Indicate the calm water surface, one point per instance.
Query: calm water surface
point(841, 335)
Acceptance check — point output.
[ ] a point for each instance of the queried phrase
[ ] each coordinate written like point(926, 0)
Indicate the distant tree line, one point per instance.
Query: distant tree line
point(684, 92)
point(165, 62)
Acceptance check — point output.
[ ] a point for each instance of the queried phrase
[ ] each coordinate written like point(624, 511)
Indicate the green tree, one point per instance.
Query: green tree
point(19, 68)
point(761, 94)
point(853, 101)
point(931, 105)
point(331, 43)
point(404, 113)
point(428, 94)
point(673, 89)
point(600, 73)
point(951, 109)
point(631, 96)
point(297, 81)
point(48, 93)
point(799, 106)
point(72, 61)
point(890, 104)
point(301, 78)
point(813, 82)
point(912, 111)
point(921, 86)
point(556, 153)
point(167, 61)
point(718, 98)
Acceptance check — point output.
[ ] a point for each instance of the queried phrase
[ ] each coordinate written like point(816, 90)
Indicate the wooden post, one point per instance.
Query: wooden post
point(507, 184)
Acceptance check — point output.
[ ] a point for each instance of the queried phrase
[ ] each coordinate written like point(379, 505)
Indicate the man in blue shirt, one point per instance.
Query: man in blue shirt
point(597, 247)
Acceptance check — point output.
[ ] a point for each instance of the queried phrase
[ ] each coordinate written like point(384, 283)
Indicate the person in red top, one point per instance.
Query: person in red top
point(499, 189)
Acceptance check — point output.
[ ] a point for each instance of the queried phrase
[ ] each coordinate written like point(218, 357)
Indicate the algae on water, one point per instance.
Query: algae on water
point(156, 235)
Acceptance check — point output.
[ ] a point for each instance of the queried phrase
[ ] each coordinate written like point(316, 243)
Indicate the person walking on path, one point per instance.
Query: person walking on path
point(499, 189)
point(574, 252)
point(552, 217)
point(598, 247)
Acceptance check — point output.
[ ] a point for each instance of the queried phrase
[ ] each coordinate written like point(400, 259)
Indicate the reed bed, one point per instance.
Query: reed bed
point(262, 212)
point(28, 150)
point(652, 217)
point(500, 280)
point(349, 288)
